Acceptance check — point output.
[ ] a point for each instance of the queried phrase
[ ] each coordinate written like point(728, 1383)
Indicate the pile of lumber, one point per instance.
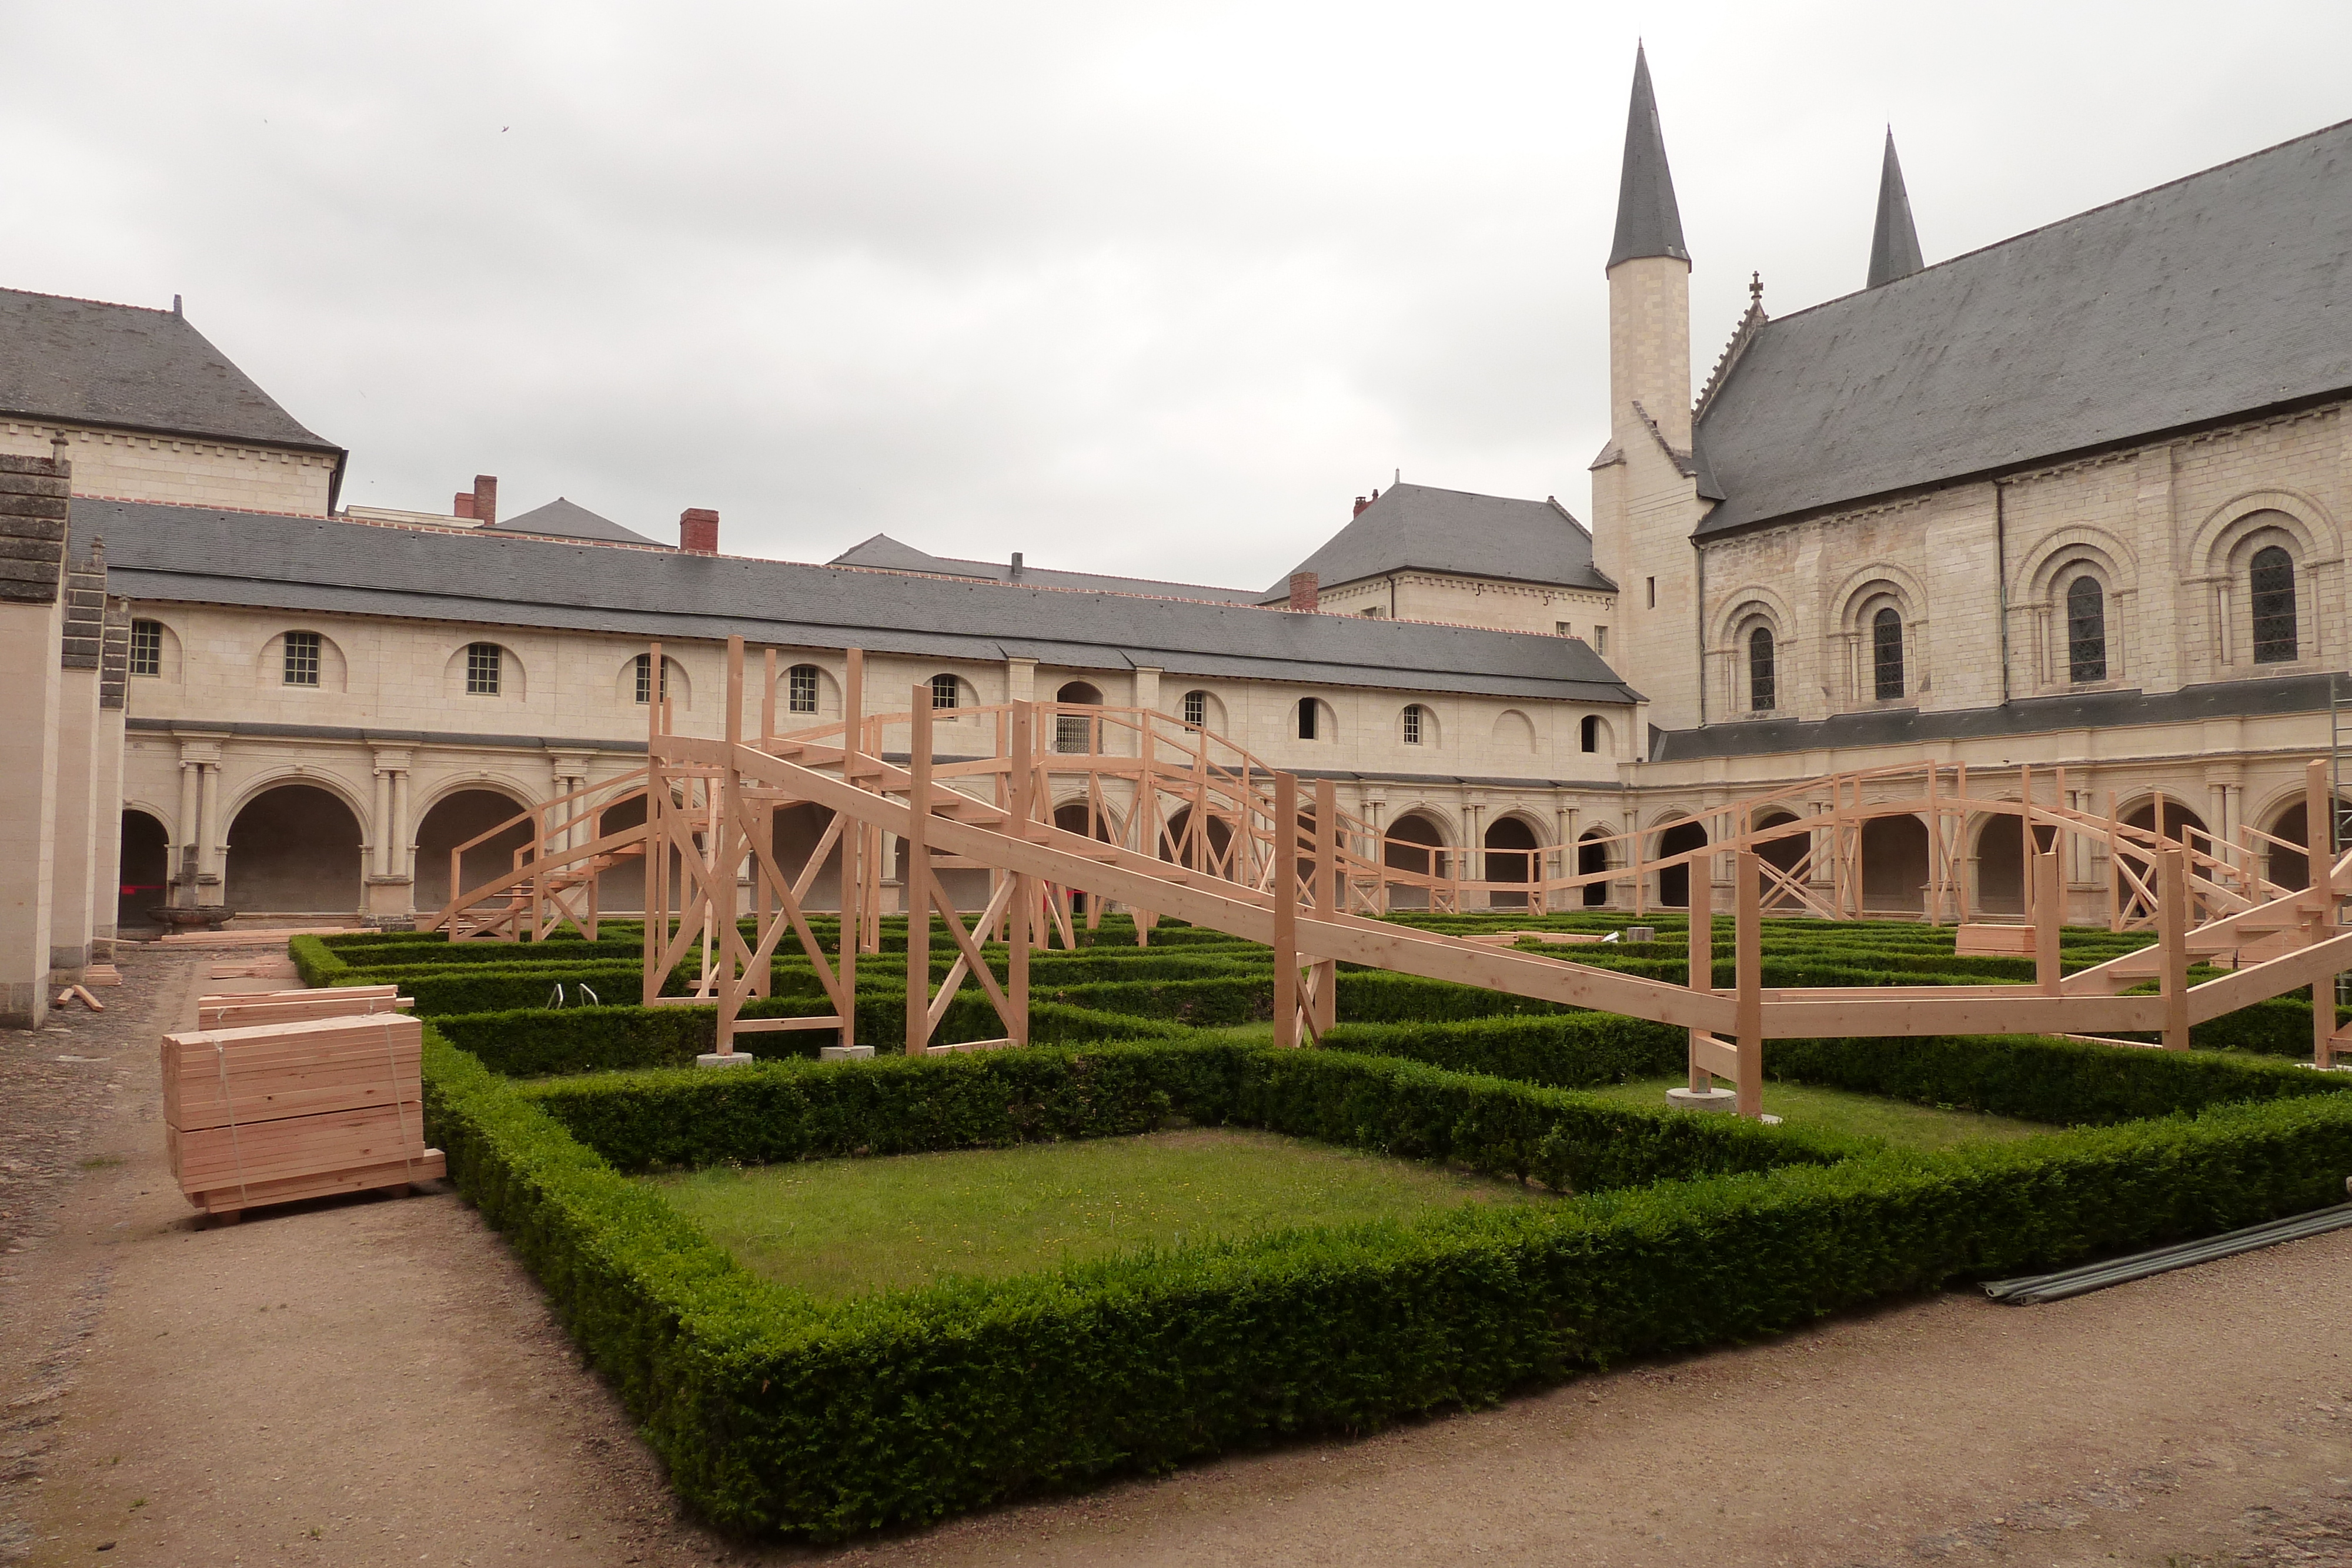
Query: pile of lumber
point(295, 1094)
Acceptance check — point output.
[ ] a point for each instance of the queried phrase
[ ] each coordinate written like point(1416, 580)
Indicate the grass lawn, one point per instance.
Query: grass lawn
point(1898, 1121)
point(839, 1227)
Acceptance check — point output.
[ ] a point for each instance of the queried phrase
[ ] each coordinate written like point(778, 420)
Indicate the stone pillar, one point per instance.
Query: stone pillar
point(1020, 680)
point(32, 528)
point(113, 676)
point(380, 847)
point(74, 847)
point(403, 831)
point(211, 834)
point(184, 838)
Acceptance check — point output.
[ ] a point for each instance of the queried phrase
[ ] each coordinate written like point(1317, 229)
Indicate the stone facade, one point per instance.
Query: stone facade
point(193, 471)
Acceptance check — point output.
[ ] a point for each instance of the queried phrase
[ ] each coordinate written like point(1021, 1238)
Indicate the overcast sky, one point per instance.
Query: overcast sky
point(1150, 289)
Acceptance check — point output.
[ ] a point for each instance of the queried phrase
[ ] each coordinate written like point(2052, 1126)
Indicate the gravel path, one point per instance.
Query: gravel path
point(376, 1382)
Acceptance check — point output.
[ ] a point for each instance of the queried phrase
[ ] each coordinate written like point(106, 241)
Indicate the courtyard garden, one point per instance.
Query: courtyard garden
point(851, 1295)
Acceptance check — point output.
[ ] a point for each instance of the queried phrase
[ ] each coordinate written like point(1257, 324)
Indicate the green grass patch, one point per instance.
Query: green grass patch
point(841, 1227)
point(1897, 1123)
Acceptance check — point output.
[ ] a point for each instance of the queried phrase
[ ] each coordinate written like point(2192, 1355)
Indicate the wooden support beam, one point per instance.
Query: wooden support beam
point(1700, 968)
point(918, 880)
point(2172, 940)
point(2048, 896)
point(1286, 910)
point(1024, 915)
point(1327, 872)
point(1747, 1021)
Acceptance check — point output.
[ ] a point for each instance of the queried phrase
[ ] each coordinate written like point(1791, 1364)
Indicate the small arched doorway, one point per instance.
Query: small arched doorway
point(294, 850)
point(1211, 851)
point(1077, 817)
point(1592, 860)
point(2179, 826)
point(1077, 734)
point(2001, 874)
point(2290, 868)
point(454, 818)
point(1673, 881)
point(1894, 864)
point(1513, 855)
point(1784, 855)
point(1412, 847)
point(145, 875)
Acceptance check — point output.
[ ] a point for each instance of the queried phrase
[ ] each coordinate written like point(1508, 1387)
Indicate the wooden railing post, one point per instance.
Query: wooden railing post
point(1327, 866)
point(1748, 1015)
point(2047, 909)
point(2173, 941)
point(1700, 969)
point(917, 878)
point(1024, 912)
point(1284, 883)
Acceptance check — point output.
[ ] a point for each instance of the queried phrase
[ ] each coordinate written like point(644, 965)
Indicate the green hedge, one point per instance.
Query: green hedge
point(775, 1413)
point(1570, 1050)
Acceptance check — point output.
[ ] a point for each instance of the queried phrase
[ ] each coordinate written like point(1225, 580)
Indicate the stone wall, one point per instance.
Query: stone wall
point(183, 470)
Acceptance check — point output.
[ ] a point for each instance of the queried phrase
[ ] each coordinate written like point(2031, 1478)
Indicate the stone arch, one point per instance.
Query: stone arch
point(1313, 721)
point(2182, 825)
point(1592, 857)
point(2290, 868)
point(1212, 853)
point(825, 698)
point(2041, 570)
point(1594, 736)
point(294, 849)
point(679, 685)
point(1677, 836)
point(623, 887)
point(455, 670)
point(2221, 540)
point(1212, 708)
point(166, 652)
point(1073, 814)
point(1865, 588)
point(462, 810)
point(1784, 855)
point(1895, 864)
point(144, 879)
point(1425, 734)
point(1415, 844)
point(1514, 852)
point(1077, 734)
point(1515, 733)
point(334, 668)
point(2000, 852)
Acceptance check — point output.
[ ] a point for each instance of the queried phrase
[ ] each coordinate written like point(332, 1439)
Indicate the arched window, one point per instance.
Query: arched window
point(2086, 631)
point(1412, 716)
point(2271, 585)
point(1886, 654)
point(1589, 732)
point(146, 647)
point(946, 693)
point(303, 650)
point(1763, 689)
point(1196, 709)
point(644, 678)
point(800, 688)
point(1307, 707)
point(482, 669)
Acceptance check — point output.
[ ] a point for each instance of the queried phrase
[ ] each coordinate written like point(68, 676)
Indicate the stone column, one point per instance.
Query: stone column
point(113, 672)
point(391, 887)
point(403, 847)
point(184, 838)
point(33, 512)
point(73, 899)
point(212, 834)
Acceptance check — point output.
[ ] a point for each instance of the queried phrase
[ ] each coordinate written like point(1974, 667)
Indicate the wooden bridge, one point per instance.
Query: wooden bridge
point(1078, 806)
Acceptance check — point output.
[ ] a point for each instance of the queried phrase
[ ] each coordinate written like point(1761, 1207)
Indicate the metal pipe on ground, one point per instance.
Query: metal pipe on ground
point(2031, 1289)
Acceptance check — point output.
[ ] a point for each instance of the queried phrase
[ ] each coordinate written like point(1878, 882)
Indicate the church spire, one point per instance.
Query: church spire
point(1648, 222)
point(1894, 242)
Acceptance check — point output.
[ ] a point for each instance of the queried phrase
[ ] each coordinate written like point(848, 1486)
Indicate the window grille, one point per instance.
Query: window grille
point(2086, 631)
point(1601, 640)
point(302, 658)
point(1886, 655)
point(146, 647)
point(800, 688)
point(945, 693)
point(1196, 709)
point(1763, 689)
point(1412, 724)
point(482, 672)
point(2273, 597)
point(646, 678)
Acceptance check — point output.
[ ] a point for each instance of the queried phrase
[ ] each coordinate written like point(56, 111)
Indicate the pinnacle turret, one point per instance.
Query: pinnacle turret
point(1894, 242)
point(1648, 221)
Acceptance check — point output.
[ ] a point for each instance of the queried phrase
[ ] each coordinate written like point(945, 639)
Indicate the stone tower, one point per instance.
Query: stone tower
point(1644, 497)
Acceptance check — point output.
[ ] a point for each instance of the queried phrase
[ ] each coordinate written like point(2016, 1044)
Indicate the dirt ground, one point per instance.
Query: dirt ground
point(375, 1382)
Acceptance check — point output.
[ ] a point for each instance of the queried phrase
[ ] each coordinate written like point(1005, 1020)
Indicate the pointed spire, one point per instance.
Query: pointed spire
point(1648, 222)
point(1894, 243)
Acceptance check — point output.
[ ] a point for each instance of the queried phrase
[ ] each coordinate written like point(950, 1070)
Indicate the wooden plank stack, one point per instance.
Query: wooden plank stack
point(295, 1094)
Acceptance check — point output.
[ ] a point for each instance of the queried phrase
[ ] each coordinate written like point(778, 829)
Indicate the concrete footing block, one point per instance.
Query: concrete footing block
point(735, 1059)
point(1680, 1099)
point(844, 1053)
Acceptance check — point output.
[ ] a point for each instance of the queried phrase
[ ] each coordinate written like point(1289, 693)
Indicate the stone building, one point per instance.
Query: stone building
point(2075, 498)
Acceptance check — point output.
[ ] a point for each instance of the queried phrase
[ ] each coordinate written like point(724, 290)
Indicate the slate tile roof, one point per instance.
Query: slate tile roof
point(1420, 526)
point(887, 554)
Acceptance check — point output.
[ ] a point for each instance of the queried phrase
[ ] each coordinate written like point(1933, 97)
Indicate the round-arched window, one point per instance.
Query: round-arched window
point(1763, 684)
point(1886, 655)
point(2271, 592)
point(2086, 631)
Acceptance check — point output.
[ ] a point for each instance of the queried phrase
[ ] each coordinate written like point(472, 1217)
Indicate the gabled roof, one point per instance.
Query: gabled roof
point(2204, 299)
point(1418, 527)
point(1649, 223)
point(564, 519)
point(886, 554)
point(135, 368)
point(316, 566)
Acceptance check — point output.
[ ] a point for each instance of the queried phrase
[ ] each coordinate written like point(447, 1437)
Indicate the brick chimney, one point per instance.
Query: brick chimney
point(485, 500)
point(463, 505)
point(698, 531)
point(1362, 502)
point(1303, 596)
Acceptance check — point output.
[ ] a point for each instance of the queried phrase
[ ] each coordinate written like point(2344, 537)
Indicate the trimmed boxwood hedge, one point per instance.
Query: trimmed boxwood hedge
point(777, 1414)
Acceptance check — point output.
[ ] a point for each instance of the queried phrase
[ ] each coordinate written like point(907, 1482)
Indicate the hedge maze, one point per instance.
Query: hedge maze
point(1655, 1230)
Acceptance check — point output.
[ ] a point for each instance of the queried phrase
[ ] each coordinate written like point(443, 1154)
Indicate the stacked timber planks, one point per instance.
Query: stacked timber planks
point(296, 1094)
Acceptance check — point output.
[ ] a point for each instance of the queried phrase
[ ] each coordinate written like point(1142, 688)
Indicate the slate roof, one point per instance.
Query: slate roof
point(2026, 716)
point(195, 555)
point(887, 554)
point(563, 519)
point(134, 369)
point(2218, 294)
point(1419, 527)
point(1893, 237)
